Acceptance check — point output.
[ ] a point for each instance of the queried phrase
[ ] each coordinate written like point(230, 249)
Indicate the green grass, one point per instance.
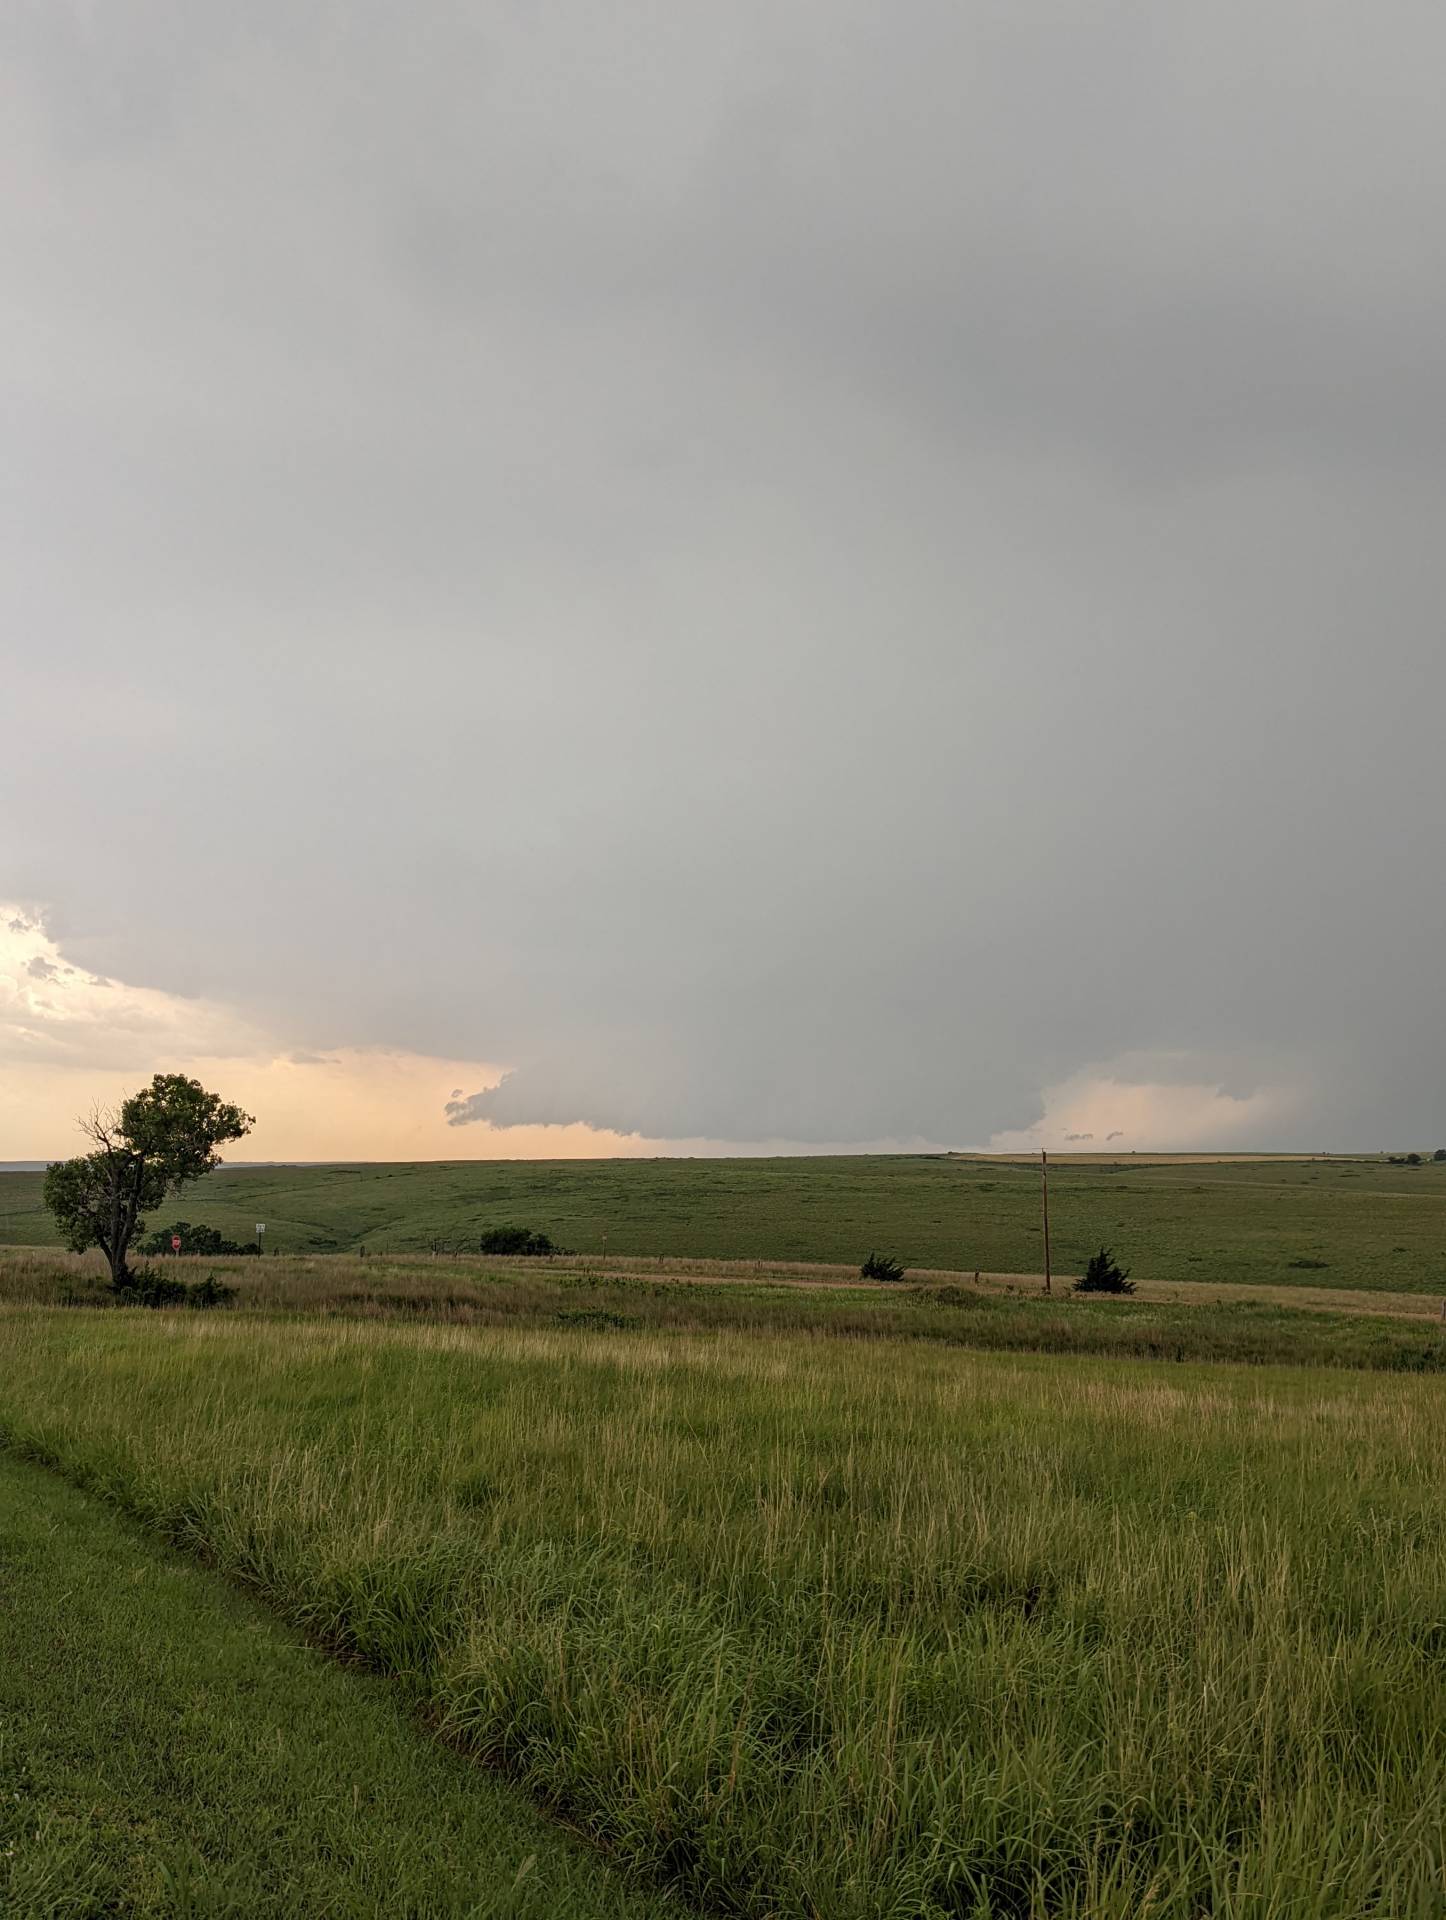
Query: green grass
point(1371, 1224)
point(1262, 1331)
point(168, 1748)
point(847, 1629)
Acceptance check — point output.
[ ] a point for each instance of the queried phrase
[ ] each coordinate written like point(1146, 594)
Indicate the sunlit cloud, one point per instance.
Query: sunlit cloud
point(1102, 1109)
point(70, 1037)
point(57, 1016)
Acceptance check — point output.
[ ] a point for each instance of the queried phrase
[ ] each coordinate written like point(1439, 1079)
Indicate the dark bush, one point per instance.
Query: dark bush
point(1413, 1159)
point(1103, 1275)
point(210, 1292)
point(147, 1288)
point(515, 1240)
point(1439, 1154)
point(881, 1266)
point(144, 1287)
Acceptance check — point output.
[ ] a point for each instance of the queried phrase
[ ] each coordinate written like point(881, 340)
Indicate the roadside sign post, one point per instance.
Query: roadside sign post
point(260, 1229)
point(175, 1243)
point(1044, 1201)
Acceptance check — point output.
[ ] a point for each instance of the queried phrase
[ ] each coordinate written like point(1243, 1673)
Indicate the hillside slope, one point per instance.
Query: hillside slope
point(1336, 1223)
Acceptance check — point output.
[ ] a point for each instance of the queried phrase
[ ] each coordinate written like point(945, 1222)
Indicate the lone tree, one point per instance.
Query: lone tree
point(157, 1139)
point(1104, 1275)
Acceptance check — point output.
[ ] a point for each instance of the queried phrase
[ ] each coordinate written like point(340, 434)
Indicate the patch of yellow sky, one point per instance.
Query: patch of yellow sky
point(70, 1038)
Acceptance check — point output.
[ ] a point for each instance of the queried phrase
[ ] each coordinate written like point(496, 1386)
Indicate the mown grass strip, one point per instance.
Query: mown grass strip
point(168, 1748)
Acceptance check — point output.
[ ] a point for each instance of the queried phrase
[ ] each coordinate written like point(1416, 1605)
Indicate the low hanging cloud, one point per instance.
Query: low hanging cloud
point(1171, 1114)
point(478, 1109)
point(70, 1038)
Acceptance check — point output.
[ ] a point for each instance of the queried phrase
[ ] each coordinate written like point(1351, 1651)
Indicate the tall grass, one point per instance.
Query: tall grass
point(857, 1631)
point(1189, 1327)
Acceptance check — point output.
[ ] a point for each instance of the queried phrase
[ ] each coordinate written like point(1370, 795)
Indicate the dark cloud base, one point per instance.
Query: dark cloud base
point(791, 572)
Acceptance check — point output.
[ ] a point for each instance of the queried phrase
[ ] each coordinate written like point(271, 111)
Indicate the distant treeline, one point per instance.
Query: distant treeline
point(196, 1237)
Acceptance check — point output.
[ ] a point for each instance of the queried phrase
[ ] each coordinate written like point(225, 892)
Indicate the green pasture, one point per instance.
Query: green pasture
point(1337, 1223)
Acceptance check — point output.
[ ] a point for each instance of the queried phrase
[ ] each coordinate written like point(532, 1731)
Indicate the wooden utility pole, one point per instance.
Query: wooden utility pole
point(1044, 1200)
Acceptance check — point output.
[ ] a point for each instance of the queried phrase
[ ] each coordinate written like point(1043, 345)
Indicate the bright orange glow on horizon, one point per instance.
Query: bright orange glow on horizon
point(69, 1038)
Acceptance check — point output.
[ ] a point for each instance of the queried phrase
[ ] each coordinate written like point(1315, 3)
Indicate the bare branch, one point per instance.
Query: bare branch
point(102, 1125)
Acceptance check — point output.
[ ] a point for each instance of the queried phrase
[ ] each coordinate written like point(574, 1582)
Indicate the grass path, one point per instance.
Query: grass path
point(167, 1748)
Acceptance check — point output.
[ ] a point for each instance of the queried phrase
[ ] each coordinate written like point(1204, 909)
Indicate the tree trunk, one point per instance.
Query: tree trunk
point(125, 1206)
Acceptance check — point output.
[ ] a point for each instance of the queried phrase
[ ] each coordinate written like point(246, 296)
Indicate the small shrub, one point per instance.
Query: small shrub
point(882, 1266)
point(1103, 1275)
point(1306, 1264)
point(210, 1292)
point(1439, 1154)
point(151, 1289)
point(515, 1240)
point(144, 1287)
point(1413, 1159)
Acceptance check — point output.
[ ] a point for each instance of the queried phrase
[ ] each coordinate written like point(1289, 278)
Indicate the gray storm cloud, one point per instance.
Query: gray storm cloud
point(791, 572)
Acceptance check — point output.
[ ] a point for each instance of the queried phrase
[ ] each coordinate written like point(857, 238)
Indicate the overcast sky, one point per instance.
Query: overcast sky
point(797, 571)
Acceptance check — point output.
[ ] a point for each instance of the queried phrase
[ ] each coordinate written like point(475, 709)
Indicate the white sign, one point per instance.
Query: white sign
point(261, 1226)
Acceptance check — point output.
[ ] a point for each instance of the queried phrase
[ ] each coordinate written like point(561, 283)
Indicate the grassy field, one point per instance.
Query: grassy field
point(1353, 1224)
point(167, 1748)
point(1168, 1320)
point(834, 1628)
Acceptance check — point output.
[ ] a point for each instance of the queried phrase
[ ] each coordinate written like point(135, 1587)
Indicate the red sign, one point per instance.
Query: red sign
point(175, 1243)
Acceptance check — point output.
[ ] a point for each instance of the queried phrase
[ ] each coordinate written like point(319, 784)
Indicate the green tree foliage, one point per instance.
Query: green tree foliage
point(521, 1240)
point(1104, 1275)
point(881, 1266)
point(159, 1138)
point(193, 1239)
